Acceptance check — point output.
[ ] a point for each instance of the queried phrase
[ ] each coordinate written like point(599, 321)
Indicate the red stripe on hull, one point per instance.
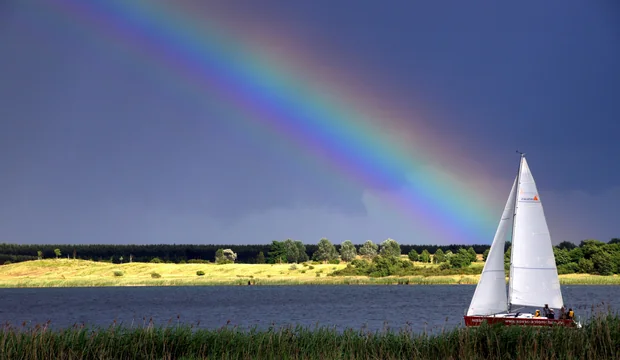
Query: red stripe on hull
point(478, 320)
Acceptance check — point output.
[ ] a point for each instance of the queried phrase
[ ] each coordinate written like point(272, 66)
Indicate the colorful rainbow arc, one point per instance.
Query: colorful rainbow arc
point(271, 91)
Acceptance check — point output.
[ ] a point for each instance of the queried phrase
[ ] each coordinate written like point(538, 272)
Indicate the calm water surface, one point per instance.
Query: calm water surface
point(423, 307)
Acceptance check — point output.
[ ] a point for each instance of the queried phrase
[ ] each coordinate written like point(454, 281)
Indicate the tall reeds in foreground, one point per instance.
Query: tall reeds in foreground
point(599, 339)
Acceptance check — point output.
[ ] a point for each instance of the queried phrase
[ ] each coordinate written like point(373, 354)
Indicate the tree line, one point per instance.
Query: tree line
point(176, 253)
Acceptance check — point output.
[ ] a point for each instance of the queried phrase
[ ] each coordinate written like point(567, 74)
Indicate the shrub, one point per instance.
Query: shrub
point(293, 267)
point(334, 261)
point(200, 273)
point(569, 268)
point(156, 260)
point(310, 267)
point(303, 271)
point(118, 273)
point(155, 275)
point(8, 262)
point(585, 266)
point(318, 275)
point(360, 263)
point(197, 261)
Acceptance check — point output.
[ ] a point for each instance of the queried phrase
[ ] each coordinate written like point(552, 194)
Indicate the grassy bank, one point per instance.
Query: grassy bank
point(600, 339)
point(73, 273)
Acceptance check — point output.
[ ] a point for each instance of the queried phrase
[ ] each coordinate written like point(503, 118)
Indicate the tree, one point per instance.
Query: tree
point(439, 256)
point(425, 257)
point(277, 253)
point(485, 255)
point(326, 251)
point(413, 255)
point(507, 258)
point(614, 241)
point(575, 255)
point(461, 259)
point(39, 254)
point(347, 251)
point(74, 254)
point(121, 259)
point(369, 249)
point(473, 257)
point(260, 258)
point(566, 245)
point(230, 255)
point(57, 252)
point(390, 247)
point(590, 247)
point(225, 256)
point(291, 251)
point(561, 256)
point(219, 255)
point(603, 264)
point(294, 251)
point(302, 255)
point(585, 266)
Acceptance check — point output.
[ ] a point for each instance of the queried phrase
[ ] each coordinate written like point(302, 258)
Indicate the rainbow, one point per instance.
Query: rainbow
point(295, 95)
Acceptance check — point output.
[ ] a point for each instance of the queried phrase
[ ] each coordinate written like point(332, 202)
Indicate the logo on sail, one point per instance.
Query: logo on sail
point(529, 198)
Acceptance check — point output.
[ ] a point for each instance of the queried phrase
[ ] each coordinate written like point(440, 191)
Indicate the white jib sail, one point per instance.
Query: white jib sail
point(490, 295)
point(533, 275)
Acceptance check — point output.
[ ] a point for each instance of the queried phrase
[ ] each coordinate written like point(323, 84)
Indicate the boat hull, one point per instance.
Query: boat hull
point(540, 321)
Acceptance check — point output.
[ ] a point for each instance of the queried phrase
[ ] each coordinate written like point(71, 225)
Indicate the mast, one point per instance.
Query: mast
point(514, 220)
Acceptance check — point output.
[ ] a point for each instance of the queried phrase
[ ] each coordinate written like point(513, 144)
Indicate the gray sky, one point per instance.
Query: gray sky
point(101, 145)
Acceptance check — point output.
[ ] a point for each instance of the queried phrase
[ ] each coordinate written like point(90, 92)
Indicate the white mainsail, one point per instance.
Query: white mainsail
point(490, 295)
point(533, 274)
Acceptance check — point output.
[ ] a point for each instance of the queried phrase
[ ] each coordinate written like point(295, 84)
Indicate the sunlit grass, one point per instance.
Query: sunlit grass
point(75, 273)
point(599, 339)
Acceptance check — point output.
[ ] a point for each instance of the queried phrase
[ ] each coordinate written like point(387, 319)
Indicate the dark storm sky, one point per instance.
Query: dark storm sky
point(99, 146)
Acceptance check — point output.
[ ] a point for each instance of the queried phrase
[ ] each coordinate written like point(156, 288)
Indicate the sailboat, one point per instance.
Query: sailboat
point(533, 278)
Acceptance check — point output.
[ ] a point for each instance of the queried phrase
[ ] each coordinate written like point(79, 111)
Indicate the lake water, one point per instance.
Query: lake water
point(373, 307)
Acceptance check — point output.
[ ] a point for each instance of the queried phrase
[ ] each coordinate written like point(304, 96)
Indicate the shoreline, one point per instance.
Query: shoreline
point(62, 273)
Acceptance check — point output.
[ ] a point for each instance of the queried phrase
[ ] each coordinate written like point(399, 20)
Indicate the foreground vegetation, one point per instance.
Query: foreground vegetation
point(599, 339)
point(79, 273)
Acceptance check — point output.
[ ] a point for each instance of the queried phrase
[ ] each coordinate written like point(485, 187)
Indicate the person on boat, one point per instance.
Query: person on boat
point(537, 313)
point(549, 313)
point(562, 313)
point(570, 314)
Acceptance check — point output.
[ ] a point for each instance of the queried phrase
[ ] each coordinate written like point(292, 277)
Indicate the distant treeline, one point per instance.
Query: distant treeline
point(176, 253)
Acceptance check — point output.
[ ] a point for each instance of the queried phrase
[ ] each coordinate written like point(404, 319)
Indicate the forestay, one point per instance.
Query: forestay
point(490, 295)
point(533, 274)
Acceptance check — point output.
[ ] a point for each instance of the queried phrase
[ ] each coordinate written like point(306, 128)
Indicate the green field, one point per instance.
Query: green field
point(75, 273)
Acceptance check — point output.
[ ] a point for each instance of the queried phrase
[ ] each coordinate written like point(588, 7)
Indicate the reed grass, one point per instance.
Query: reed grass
point(599, 339)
